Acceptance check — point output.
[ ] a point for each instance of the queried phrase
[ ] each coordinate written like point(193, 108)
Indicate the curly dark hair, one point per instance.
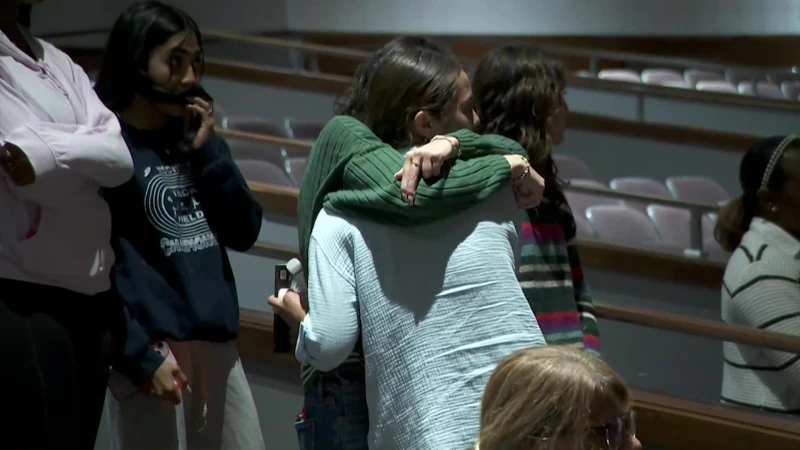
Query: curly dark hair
point(516, 90)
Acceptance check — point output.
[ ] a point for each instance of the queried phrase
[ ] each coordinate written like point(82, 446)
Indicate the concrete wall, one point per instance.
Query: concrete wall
point(548, 17)
point(491, 17)
point(54, 16)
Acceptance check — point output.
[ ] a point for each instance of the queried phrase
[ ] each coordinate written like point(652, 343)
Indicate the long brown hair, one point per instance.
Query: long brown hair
point(516, 91)
point(540, 393)
point(735, 217)
point(407, 75)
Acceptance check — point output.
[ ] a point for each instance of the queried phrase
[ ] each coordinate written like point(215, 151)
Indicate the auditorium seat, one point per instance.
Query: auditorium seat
point(622, 224)
point(719, 86)
point(735, 77)
point(254, 124)
point(696, 190)
point(694, 76)
point(263, 172)
point(790, 89)
point(715, 252)
point(259, 151)
point(303, 129)
point(582, 227)
point(640, 186)
point(297, 167)
point(570, 168)
point(674, 224)
point(626, 75)
point(661, 76)
point(761, 89)
point(677, 84)
point(581, 201)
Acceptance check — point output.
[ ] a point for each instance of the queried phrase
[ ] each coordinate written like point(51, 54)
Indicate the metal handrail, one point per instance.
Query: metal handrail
point(557, 50)
point(651, 60)
point(696, 210)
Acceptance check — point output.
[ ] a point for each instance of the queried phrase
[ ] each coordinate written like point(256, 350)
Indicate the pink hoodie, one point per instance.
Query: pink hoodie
point(49, 110)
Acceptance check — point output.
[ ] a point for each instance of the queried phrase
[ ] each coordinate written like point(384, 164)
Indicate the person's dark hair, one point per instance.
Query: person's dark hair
point(407, 75)
point(136, 33)
point(516, 90)
point(25, 14)
point(735, 217)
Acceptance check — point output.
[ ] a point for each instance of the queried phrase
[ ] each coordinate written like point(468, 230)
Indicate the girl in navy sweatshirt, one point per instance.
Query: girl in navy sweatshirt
point(186, 202)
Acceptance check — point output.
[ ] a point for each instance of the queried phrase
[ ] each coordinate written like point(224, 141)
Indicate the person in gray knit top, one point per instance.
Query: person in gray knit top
point(761, 286)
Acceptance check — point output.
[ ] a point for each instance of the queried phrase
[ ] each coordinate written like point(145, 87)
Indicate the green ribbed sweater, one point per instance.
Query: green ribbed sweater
point(351, 171)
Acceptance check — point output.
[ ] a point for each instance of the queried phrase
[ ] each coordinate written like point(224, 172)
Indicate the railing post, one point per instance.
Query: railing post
point(640, 107)
point(696, 232)
point(297, 59)
point(593, 65)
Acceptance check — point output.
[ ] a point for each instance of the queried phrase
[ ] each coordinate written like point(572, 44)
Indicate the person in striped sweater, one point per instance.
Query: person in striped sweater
point(761, 285)
point(519, 95)
point(352, 171)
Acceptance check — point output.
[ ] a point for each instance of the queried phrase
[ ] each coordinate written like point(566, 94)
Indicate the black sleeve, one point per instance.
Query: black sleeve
point(232, 212)
point(132, 355)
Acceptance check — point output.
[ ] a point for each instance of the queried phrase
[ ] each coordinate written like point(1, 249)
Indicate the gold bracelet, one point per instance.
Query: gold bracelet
point(527, 169)
point(454, 142)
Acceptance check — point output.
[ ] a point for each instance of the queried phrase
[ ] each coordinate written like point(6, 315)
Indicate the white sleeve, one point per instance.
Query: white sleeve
point(329, 333)
point(94, 150)
point(772, 303)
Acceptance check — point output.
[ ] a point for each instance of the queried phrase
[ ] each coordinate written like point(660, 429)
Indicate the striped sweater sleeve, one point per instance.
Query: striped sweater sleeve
point(367, 187)
point(583, 299)
point(768, 298)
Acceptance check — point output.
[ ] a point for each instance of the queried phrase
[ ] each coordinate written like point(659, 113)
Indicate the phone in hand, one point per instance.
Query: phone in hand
point(282, 340)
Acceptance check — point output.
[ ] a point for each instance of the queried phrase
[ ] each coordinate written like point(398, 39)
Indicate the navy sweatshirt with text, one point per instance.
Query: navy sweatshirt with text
point(170, 225)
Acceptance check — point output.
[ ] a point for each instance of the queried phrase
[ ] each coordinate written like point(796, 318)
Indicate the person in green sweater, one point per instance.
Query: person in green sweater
point(354, 165)
point(521, 96)
point(356, 169)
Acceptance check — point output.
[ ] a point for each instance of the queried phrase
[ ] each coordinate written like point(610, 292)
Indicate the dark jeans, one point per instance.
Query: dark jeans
point(54, 364)
point(335, 408)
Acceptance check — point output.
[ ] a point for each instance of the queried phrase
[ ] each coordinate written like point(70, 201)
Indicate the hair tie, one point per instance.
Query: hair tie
point(776, 157)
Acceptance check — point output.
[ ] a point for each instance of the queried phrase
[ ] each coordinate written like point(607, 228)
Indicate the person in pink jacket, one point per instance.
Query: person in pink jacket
point(59, 145)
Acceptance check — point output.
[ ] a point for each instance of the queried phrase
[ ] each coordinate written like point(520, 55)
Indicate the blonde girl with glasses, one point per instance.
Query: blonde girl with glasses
point(556, 398)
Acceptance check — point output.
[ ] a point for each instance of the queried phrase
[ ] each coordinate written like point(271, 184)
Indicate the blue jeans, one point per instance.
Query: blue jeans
point(335, 408)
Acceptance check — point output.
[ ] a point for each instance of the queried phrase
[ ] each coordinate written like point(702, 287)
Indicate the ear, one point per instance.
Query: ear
point(766, 200)
point(422, 126)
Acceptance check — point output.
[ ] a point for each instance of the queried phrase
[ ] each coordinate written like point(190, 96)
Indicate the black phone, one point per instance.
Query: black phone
point(281, 341)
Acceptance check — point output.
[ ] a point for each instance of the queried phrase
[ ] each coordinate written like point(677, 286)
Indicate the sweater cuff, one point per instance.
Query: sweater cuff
point(35, 149)
point(146, 367)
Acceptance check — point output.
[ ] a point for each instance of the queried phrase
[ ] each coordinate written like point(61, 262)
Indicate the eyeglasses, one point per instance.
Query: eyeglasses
point(616, 429)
